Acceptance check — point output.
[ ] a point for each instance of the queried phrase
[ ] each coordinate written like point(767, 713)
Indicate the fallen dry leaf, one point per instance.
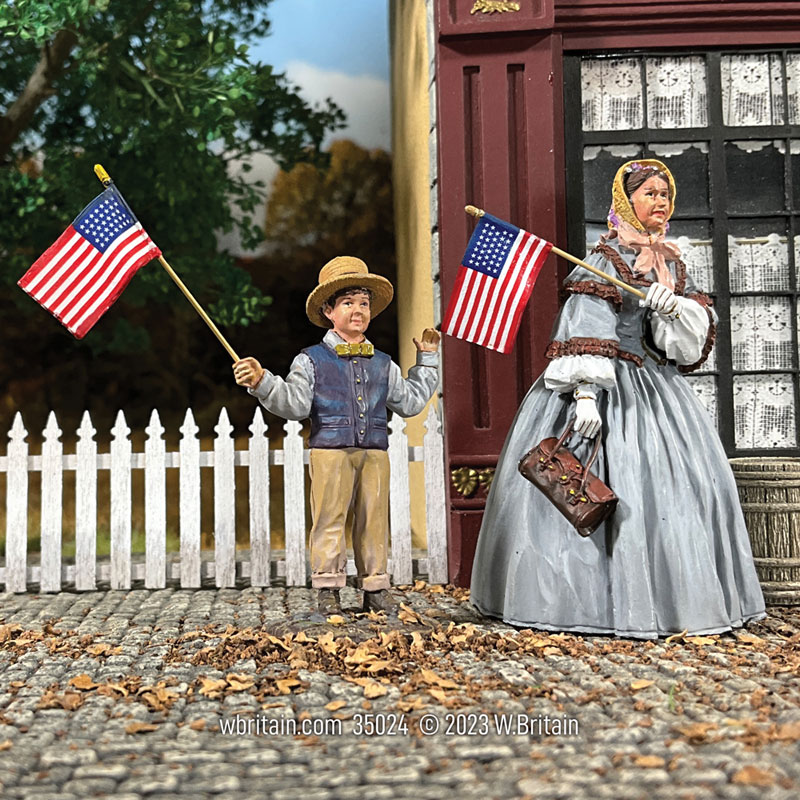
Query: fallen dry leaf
point(787, 732)
point(641, 684)
point(198, 725)
point(212, 687)
point(140, 727)
point(69, 701)
point(749, 638)
point(676, 637)
point(407, 614)
point(432, 679)
point(83, 681)
point(438, 695)
point(110, 689)
point(335, 705)
point(374, 689)
point(335, 619)
point(701, 640)
point(649, 762)
point(696, 731)
point(753, 776)
point(6, 745)
point(239, 683)
point(285, 685)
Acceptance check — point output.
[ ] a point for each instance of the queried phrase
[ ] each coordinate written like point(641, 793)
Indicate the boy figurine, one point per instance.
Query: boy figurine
point(345, 386)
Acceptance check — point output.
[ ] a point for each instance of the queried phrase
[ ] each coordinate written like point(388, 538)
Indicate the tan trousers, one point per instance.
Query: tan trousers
point(340, 478)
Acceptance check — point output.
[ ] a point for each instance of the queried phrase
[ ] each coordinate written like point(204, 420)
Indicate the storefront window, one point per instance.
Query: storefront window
point(728, 126)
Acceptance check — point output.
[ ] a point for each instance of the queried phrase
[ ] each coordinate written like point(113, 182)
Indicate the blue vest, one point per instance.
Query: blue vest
point(349, 404)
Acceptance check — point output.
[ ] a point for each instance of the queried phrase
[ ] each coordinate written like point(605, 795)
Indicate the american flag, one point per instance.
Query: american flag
point(494, 283)
point(79, 276)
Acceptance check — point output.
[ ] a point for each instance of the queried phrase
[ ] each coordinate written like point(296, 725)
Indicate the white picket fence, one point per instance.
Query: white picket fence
point(190, 569)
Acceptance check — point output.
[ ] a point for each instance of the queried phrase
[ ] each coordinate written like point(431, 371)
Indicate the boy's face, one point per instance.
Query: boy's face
point(350, 315)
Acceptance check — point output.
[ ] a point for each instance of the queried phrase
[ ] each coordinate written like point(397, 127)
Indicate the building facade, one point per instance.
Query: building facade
point(533, 106)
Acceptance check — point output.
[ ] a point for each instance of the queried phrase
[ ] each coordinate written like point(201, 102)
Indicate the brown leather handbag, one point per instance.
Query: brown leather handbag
point(569, 485)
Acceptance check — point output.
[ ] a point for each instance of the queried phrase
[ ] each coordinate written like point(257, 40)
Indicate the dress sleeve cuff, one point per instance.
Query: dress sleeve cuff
point(566, 373)
point(688, 338)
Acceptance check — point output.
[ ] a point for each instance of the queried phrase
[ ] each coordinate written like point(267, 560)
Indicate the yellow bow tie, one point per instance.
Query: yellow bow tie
point(357, 349)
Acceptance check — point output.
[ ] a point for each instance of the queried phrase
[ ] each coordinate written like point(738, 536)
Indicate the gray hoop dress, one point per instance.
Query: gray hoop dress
point(676, 555)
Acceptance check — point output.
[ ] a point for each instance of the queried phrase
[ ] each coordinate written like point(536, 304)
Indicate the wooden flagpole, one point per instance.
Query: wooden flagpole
point(479, 212)
point(105, 179)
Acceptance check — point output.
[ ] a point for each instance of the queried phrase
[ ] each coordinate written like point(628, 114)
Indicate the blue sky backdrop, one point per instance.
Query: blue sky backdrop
point(330, 48)
point(350, 36)
point(338, 50)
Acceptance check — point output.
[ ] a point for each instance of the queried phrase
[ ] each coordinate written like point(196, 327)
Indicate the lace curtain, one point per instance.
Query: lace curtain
point(758, 265)
point(612, 93)
point(757, 89)
point(764, 411)
point(752, 89)
point(705, 387)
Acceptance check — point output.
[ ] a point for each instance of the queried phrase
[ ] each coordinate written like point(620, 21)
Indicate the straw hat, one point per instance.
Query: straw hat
point(345, 272)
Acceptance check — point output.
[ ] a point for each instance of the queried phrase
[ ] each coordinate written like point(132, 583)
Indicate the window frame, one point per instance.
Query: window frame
point(716, 134)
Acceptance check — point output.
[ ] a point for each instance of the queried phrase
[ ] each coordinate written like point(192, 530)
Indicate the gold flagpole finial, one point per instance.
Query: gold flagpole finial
point(476, 212)
point(102, 175)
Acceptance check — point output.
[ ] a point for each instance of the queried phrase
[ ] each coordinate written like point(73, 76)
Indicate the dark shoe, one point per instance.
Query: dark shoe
point(328, 602)
point(380, 600)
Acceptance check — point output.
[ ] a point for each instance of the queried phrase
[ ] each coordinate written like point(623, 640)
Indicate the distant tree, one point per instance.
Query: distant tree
point(315, 214)
point(164, 94)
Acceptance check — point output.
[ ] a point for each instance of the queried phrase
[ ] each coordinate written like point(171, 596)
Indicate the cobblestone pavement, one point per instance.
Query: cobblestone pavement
point(131, 694)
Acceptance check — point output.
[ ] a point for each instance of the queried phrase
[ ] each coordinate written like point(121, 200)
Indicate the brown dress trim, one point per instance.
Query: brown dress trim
point(704, 301)
point(626, 274)
point(702, 298)
point(604, 291)
point(584, 346)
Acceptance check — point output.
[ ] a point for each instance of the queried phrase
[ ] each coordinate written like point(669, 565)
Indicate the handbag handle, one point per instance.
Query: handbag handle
point(592, 457)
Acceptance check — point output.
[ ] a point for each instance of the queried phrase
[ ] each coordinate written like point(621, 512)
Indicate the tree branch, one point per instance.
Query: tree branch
point(38, 88)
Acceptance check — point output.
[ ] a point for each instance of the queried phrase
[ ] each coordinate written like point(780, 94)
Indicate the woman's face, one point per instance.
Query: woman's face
point(651, 203)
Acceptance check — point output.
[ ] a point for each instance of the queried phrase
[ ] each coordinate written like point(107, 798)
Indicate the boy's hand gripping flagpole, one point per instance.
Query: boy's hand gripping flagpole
point(105, 179)
point(479, 212)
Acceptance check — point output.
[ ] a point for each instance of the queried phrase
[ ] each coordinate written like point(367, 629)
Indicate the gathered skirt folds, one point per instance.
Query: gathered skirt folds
point(674, 556)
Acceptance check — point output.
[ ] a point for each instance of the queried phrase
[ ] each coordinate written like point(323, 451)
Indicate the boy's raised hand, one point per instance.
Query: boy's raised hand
point(430, 341)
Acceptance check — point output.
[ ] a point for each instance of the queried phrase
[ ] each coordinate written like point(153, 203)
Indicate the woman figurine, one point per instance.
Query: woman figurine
point(675, 556)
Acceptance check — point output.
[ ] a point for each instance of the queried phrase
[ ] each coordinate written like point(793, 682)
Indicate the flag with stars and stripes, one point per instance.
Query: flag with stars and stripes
point(494, 283)
point(79, 276)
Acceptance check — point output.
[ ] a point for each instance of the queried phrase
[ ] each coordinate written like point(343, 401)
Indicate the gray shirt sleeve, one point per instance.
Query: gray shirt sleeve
point(290, 398)
point(408, 396)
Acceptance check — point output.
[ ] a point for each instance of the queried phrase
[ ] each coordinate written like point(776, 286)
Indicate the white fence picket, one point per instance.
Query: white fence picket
point(155, 505)
point(258, 456)
point(155, 460)
point(120, 505)
point(294, 505)
point(86, 506)
point(435, 500)
point(17, 508)
point(52, 485)
point(190, 502)
point(224, 504)
point(399, 509)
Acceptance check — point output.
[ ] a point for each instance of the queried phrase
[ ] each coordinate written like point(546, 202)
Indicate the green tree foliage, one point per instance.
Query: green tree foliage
point(164, 94)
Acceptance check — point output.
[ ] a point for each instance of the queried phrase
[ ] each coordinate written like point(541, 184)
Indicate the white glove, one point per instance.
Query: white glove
point(587, 417)
point(662, 300)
